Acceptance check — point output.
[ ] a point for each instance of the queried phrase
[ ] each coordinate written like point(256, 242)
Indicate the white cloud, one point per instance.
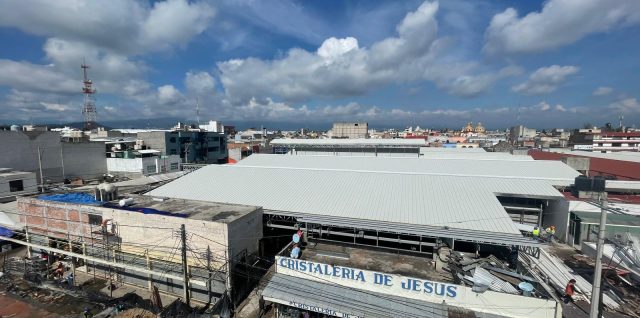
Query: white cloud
point(332, 48)
point(42, 78)
point(560, 22)
point(201, 83)
point(602, 91)
point(340, 67)
point(627, 105)
point(119, 26)
point(174, 22)
point(169, 95)
point(545, 79)
point(56, 107)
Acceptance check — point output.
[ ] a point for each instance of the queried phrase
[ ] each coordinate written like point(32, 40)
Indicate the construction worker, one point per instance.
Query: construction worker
point(569, 291)
point(536, 232)
point(550, 232)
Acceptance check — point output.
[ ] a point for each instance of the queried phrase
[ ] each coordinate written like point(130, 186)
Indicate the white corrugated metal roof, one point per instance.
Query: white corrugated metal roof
point(349, 142)
point(391, 197)
point(443, 149)
point(555, 172)
point(474, 156)
point(390, 190)
point(632, 156)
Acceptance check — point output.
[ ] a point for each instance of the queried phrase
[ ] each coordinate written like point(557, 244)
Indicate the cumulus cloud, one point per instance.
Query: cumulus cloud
point(560, 22)
point(200, 83)
point(602, 91)
point(169, 95)
point(127, 27)
point(43, 78)
point(341, 67)
point(174, 22)
point(545, 79)
point(627, 105)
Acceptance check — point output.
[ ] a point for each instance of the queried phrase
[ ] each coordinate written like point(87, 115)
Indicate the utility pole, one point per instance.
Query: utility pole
point(40, 168)
point(209, 270)
point(62, 162)
point(185, 273)
point(597, 274)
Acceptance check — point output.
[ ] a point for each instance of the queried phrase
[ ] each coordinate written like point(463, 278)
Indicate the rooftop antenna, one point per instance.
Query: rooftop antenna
point(89, 108)
point(621, 119)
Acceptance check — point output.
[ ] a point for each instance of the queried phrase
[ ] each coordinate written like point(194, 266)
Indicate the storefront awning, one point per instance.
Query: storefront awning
point(339, 301)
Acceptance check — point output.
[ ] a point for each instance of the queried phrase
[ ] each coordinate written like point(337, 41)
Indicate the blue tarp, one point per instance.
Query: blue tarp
point(5, 232)
point(147, 211)
point(81, 198)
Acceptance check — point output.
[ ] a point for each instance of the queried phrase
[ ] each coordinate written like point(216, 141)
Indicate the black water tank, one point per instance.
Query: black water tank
point(582, 183)
point(598, 184)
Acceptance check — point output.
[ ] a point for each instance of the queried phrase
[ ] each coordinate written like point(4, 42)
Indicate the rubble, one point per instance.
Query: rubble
point(486, 273)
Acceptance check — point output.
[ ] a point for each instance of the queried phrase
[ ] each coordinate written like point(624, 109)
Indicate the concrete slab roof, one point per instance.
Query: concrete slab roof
point(193, 209)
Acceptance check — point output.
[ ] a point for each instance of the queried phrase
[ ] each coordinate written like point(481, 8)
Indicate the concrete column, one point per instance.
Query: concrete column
point(149, 276)
point(28, 238)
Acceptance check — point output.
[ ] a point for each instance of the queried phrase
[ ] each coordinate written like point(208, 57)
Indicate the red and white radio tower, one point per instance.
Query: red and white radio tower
point(89, 108)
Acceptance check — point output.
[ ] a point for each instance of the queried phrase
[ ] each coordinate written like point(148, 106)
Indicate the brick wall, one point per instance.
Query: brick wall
point(56, 219)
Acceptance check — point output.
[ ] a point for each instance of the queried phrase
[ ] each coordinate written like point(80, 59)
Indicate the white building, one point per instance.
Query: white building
point(214, 126)
point(14, 183)
point(616, 141)
point(143, 162)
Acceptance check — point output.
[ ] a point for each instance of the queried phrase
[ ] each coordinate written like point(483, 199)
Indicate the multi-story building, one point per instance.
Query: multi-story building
point(214, 126)
point(193, 146)
point(43, 151)
point(521, 132)
point(616, 141)
point(350, 130)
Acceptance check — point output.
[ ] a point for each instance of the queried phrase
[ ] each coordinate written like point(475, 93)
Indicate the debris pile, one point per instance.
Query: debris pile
point(552, 270)
point(490, 273)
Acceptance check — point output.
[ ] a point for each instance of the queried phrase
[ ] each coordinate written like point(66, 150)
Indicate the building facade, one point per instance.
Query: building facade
point(350, 130)
point(13, 183)
point(143, 162)
point(616, 141)
point(35, 151)
point(192, 146)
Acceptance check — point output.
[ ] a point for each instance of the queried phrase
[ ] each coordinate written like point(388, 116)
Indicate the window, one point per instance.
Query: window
point(174, 166)
point(172, 139)
point(214, 149)
point(173, 152)
point(151, 169)
point(16, 185)
point(95, 219)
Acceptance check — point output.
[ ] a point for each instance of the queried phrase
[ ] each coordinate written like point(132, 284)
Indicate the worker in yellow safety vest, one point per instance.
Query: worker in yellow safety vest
point(536, 232)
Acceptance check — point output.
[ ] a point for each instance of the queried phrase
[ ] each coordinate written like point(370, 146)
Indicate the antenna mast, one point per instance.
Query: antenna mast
point(89, 108)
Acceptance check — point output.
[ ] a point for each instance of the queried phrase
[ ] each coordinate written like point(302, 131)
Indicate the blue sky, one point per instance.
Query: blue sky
point(558, 63)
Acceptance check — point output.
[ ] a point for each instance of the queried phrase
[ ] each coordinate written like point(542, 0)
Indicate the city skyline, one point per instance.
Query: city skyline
point(434, 64)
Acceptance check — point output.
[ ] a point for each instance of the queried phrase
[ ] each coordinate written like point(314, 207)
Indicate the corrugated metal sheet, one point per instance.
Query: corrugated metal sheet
point(474, 156)
point(451, 150)
point(632, 156)
point(349, 142)
point(409, 198)
point(415, 229)
point(482, 277)
point(555, 172)
point(287, 289)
